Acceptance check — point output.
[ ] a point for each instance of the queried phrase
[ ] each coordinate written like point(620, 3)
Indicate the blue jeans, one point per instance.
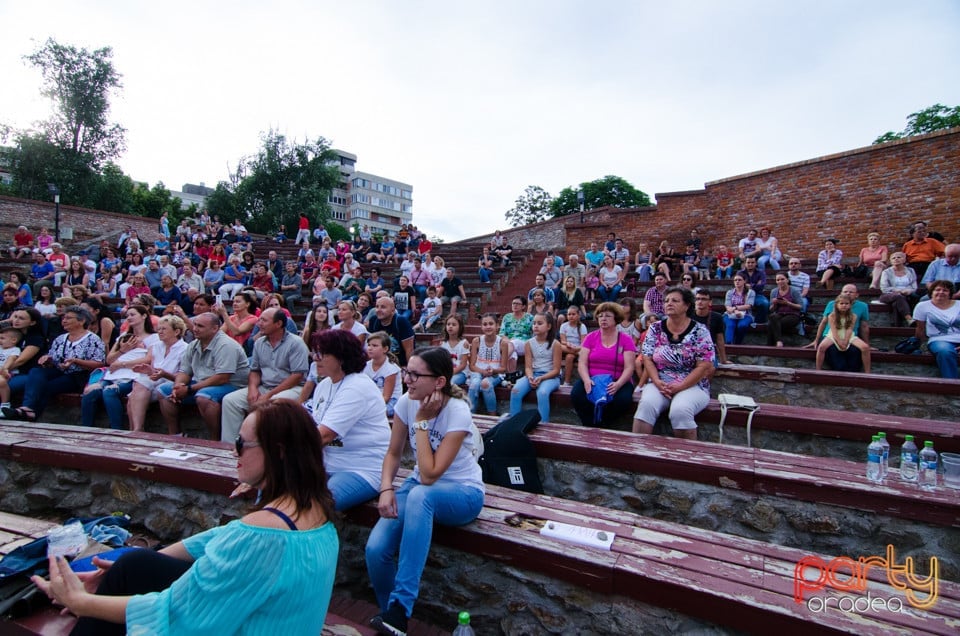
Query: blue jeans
point(522, 387)
point(349, 490)
point(485, 274)
point(611, 295)
point(946, 355)
point(43, 382)
point(736, 329)
point(397, 548)
point(213, 393)
point(406, 314)
point(645, 272)
point(489, 395)
point(110, 392)
point(761, 307)
point(725, 272)
point(459, 379)
point(421, 292)
point(768, 258)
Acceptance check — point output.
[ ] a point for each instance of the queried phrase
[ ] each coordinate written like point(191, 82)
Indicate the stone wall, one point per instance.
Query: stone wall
point(844, 195)
point(84, 221)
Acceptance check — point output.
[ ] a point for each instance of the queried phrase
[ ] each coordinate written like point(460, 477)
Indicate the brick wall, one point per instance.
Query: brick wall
point(845, 195)
point(86, 223)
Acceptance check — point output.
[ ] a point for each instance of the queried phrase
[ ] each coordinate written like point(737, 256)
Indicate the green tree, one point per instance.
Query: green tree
point(936, 117)
point(281, 180)
point(609, 191)
point(530, 207)
point(114, 190)
point(79, 83)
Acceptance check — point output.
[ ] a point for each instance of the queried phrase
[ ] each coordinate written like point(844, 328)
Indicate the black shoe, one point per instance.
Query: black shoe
point(393, 622)
point(19, 414)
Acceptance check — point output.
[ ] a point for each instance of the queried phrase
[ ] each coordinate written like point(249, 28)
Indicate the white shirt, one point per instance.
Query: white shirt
point(455, 416)
point(380, 376)
point(353, 408)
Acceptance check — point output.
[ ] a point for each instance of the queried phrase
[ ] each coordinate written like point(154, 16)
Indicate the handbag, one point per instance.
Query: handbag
point(598, 395)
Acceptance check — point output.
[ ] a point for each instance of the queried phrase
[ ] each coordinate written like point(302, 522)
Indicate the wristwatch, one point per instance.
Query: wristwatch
point(423, 425)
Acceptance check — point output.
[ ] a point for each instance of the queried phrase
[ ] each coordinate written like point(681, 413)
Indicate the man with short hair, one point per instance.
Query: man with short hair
point(849, 360)
point(800, 283)
point(577, 270)
point(452, 290)
point(274, 264)
point(946, 268)
point(594, 256)
point(167, 268)
point(541, 283)
point(153, 275)
point(756, 279)
point(551, 274)
point(653, 299)
point(278, 368)
point(748, 247)
point(385, 318)
point(713, 321)
point(922, 250)
point(291, 284)
point(620, 254)
point(212, 366)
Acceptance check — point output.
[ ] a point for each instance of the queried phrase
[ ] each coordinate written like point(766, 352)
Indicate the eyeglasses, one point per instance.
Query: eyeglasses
point(241, 443)
point(413, 376)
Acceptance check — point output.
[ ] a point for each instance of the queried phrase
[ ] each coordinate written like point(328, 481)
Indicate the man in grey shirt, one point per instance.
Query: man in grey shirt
point(212, 366)
point(279, 366)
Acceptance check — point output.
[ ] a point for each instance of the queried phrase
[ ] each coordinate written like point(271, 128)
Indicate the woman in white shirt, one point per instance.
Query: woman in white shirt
point(163, 366)
point(350, 413)
point(446, 485)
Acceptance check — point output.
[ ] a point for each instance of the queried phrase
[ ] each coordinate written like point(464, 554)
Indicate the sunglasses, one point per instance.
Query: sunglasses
point(241, 443)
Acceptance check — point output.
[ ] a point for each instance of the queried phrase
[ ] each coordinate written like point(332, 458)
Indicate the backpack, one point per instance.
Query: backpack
point(509, 458)
point(908, 346)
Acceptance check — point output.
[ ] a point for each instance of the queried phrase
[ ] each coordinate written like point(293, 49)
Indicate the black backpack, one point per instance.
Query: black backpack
point(509, 458)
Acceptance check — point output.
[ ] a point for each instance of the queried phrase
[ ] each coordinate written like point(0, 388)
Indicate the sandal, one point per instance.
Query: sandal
point(19, 414)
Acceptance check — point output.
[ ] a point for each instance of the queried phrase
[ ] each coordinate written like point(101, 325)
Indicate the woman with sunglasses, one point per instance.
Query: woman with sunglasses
point(445, 487)
point(270, 572)
point(350, 413)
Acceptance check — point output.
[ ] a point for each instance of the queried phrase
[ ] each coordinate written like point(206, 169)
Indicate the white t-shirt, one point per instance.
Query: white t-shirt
point(5, 354)
point(353, 408)
point(380, 376)
point(574, 335)
point(455, 416)
point(357, 329)
point(457, 352)
point(943, 325)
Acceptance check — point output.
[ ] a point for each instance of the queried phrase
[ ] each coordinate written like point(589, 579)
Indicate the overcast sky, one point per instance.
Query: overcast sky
point(472, 102)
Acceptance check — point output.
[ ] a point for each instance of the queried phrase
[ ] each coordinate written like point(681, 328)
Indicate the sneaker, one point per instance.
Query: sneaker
point(503, 417)
point(393, 622)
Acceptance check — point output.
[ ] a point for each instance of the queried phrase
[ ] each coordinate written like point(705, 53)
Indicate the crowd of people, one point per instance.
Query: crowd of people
point(353, 377)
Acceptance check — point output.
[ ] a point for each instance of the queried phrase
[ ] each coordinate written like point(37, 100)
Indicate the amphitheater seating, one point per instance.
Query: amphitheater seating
point(736, 582)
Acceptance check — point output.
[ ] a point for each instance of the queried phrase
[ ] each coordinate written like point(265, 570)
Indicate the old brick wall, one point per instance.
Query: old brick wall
point(845, 195)
point(86, 223)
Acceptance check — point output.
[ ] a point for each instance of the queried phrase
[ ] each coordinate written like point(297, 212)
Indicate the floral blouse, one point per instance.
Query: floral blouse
point(676, 360)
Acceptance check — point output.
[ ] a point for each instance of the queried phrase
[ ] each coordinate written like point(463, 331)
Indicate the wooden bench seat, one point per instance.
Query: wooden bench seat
point(739, 583)
point(761, 471)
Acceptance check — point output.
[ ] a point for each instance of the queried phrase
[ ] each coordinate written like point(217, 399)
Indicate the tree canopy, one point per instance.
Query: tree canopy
point(936, 117)
point(609, 191)
point(530, 207)
point(273, 186)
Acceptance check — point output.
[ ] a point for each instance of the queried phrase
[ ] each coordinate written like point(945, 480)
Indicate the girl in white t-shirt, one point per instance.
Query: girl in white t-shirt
point(572, 333)
point(383, 370)
point(458, 347)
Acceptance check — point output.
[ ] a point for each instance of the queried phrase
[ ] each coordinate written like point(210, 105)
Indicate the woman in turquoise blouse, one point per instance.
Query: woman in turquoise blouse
point(270, 572)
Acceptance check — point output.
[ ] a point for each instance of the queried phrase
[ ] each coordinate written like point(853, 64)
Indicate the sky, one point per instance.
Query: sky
point(472, 102)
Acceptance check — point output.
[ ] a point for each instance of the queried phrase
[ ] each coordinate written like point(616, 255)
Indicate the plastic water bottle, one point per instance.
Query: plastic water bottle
point(874, 455)
point(909, 460)
point(928, 467)
point(885, 457)
point(463, 627)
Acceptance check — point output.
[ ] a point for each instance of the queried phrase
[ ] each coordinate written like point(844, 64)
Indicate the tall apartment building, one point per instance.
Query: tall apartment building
point(382, 204)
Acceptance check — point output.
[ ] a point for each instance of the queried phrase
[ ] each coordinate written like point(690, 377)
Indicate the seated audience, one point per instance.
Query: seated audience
point(922, 250)
point(739, 303)
point(829, 262)
point(842, 335)
point(874, 258)
point(785, 308)
point(898, 283)
point(489, 353)
point(164, 363)
point(541, 358)
point(938, 324)
point(608, 352)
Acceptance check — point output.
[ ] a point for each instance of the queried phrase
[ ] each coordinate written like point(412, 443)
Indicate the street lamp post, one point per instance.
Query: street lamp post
point(55, 191)
point(580, 201)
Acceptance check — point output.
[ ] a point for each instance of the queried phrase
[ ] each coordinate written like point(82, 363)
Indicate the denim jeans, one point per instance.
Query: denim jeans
point(946, 355)
point(42, 382)
point(767, 257)
point(485, 274)
point(349, 490)
point(736, 328)
point(611, 295)
point(489, 395)
point(725, 272)
point(459, 379)
point(111, 393)
point(522, 387)
point(397, 548)
point(761, 307)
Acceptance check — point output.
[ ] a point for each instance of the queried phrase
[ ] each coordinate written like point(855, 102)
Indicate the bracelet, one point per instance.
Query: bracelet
point(386, 489)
